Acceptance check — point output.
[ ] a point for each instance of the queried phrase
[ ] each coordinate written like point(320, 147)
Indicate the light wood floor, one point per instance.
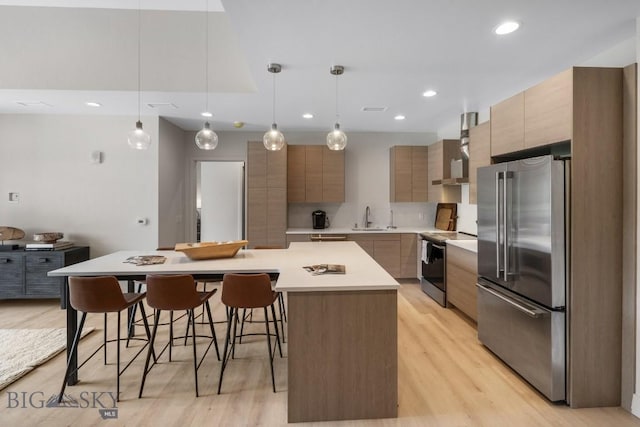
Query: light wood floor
point(446, 378)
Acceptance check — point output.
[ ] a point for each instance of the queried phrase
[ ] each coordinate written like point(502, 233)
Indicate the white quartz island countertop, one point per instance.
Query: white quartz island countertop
point(362, 272)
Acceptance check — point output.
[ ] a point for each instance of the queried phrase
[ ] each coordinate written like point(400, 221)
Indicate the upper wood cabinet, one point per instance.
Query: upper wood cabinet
point(507, 125)
point(266, 195)
point(440, 155)
point(479, 155)
point(315, 174)
point(542, 114)
point(548, 111)
point(408, 173)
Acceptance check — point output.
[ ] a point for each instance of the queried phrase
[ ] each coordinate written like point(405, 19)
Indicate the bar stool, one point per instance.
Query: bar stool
point(247, 291)
point(281, 305)
point(177, 292)
point(101, 294)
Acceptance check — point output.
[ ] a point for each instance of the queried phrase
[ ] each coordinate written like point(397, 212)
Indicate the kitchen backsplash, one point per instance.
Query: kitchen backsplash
point(346, 215)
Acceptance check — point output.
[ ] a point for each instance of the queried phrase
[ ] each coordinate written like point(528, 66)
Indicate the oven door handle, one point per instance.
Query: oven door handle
point(532, 312)
point(437, 246)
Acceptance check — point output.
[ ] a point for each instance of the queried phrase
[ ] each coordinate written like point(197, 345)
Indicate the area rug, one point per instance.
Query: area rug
point(21, 350)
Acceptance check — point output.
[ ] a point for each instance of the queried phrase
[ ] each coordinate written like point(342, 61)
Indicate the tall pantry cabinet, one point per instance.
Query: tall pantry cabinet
point(266, 195)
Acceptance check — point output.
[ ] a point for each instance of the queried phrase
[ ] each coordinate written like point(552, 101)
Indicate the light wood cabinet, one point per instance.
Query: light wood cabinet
point(296, 167)
point(266, 195)
point(408, 173)
point(479, 156)
point(315, 174)
point(408, 255)
point(397, 253)
point(439, 159)
point(548, 110)
point(332, 175)
point(507, 125)
point(462, 273)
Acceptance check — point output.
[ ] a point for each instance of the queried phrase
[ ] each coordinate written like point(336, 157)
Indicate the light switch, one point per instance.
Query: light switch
point(14, 197)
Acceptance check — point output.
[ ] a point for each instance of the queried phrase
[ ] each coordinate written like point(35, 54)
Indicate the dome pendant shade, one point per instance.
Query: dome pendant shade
point(138, 138)
point(273, 139)
point(336, 139)
point(206, 138)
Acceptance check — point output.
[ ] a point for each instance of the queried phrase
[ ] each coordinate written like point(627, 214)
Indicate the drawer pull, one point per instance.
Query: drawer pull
point(4, 260)
point(43, 260)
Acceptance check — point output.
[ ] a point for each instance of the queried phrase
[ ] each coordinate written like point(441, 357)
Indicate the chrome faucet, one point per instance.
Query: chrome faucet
point(391, 226)
point(367, 212)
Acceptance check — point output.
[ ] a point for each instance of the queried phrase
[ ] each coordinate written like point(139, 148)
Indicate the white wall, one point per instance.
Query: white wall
point(46, 159)
point(171, 184)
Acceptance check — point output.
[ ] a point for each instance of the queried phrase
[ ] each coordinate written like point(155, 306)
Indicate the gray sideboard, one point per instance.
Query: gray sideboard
point(23, 274)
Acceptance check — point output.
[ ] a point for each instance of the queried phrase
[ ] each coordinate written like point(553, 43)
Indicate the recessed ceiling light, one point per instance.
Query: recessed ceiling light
point(506, 28)
point(429, 93)
point(92, 104)
point(399, 117)
point(206, 114)
point(307, 116)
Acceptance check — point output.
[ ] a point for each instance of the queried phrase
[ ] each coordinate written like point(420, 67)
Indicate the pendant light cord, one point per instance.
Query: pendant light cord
point(139, 32)
point(274, 98)
point(206, 67)
point(337, 114)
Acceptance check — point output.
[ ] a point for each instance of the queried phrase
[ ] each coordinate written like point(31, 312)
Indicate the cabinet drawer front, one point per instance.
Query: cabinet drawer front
point(11, 275)
point(38, 265)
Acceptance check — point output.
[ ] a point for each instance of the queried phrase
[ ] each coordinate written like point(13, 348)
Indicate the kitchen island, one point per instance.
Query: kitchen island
point(343, 349)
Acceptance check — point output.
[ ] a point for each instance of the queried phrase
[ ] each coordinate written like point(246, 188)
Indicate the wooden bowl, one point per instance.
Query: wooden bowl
point(11, 233)
point(211, 250)
point(48, 237)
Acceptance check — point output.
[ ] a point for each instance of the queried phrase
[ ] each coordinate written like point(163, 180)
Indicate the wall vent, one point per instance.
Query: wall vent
point(374, 109)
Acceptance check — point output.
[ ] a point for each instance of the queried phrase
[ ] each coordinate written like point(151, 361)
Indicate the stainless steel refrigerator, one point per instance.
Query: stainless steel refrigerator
point(522, 267)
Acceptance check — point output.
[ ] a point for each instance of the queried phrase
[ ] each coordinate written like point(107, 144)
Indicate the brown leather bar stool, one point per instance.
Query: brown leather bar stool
point(177, 292)
point(281, 305)
point(101, 295)
point(247, 291)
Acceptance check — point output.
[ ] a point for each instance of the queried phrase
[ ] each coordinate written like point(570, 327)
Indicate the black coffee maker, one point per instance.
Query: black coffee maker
point(319, 219)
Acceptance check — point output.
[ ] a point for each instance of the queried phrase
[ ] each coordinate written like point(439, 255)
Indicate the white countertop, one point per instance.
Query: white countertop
point(347, 230)
point(362, 272)
point(470, 245)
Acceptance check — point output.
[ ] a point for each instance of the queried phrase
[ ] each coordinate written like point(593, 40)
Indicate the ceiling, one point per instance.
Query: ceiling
point(76, 51)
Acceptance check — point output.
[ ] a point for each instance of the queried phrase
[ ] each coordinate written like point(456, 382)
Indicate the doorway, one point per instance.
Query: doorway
point(220, 199)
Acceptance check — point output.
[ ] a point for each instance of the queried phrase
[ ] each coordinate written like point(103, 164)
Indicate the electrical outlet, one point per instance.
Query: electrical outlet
point(14, 197)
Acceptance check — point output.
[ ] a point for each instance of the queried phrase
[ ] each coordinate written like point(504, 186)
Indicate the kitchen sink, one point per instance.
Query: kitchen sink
point(368, 229)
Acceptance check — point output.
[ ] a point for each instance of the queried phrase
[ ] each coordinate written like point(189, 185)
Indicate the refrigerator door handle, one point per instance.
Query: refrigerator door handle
point(531, 312)
point(497, 214)
point(505, 225)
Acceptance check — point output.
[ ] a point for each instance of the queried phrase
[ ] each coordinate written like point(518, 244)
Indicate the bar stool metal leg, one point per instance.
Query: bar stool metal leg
point(74, 349)
point(266, 323)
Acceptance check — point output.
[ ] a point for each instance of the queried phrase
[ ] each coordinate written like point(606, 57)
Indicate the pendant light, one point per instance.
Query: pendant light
point(336, 139)
point(206, 138)
point(138, 138)
point(273, 139)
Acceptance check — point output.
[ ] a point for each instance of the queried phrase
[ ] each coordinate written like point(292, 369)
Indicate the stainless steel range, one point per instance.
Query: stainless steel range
point(434, 260)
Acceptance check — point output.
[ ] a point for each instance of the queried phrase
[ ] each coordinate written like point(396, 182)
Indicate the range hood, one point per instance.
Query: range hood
point(467, 121)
